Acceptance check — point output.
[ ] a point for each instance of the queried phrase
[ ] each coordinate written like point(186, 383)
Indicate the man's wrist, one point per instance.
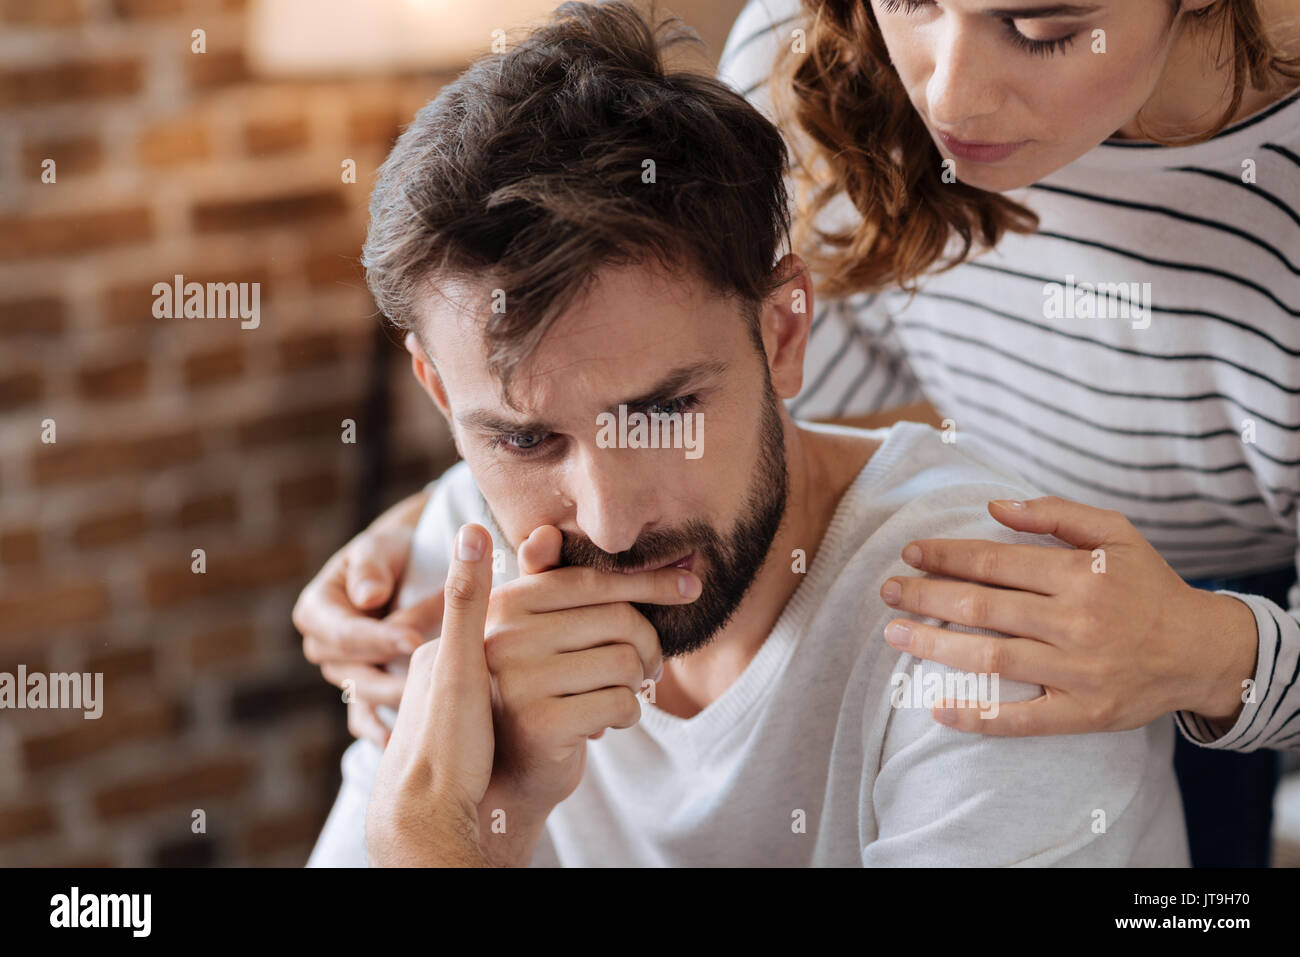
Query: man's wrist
point(508, 832)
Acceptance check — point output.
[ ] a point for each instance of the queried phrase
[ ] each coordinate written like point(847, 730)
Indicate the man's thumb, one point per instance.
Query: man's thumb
point(466, 595)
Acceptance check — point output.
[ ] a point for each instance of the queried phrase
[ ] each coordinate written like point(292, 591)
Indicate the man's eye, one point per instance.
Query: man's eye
point(672, 406)
point(519, 443)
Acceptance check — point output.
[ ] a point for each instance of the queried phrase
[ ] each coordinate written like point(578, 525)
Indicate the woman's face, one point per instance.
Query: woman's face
point(1012, 90)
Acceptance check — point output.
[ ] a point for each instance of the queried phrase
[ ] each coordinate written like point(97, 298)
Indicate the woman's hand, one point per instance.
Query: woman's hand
point(336, 615)
point(423, 809)
point(1114, 635)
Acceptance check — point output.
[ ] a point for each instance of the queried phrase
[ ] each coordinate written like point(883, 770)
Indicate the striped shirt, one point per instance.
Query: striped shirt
point(1139, 352)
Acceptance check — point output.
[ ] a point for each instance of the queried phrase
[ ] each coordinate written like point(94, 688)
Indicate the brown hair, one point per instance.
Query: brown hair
point(526, 174)
point(872, 146)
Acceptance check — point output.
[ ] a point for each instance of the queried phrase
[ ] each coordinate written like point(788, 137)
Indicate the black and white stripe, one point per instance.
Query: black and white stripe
point(1149, 421)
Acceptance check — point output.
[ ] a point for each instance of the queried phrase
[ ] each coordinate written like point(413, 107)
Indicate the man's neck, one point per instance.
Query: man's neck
point(821, 467)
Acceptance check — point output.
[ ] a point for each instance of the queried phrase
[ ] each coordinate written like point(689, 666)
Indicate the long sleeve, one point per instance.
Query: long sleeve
point(1271, 717)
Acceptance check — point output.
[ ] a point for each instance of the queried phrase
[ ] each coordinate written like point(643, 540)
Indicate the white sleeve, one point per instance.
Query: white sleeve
point(1268, 716)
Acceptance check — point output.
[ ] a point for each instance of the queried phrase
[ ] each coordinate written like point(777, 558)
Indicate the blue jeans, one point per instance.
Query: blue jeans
point(1228, 796)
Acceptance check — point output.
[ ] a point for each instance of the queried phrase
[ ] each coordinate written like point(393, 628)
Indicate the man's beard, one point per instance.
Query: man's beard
point(726, 568)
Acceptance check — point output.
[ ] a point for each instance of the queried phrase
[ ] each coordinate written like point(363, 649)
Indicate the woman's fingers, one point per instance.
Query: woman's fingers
point(363, 722)
point(977, 606)
point(365, 681)
point(1035, 568)
point(1050, 713)
point(1016, 659)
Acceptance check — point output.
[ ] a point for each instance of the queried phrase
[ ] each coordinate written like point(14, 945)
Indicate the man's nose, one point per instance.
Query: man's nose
point(616, 494)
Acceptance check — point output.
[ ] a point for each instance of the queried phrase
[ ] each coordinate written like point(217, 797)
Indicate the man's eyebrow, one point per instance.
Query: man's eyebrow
point(670, 386)
point(1044, 12)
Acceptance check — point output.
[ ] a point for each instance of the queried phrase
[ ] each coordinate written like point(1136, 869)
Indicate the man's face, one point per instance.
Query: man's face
point(652, 341)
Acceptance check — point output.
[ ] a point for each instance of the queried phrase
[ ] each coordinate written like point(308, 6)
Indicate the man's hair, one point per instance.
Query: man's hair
point(529, 173)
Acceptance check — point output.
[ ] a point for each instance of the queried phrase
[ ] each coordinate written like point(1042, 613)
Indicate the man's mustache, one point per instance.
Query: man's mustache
point(652, 549)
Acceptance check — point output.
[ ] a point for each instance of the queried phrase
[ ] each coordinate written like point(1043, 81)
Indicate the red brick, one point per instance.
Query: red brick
point(27, 237)
point(71, 155)
point(41, 606)
point(174, 582)
point(122, 721)
point(44, 13)
point(32, 317)
point(146, 9)
point(322, 422)
point(131, 303)
point(20, 387)
point(214, 365)
point(221, 507)
point(375, 126)
point(70, 460)
point(308, 491)
point(217, 68)
point(308, 350)
point(179, 141)
point(110, 528)
point(263, 137)
point(69, 80)
point(294, 829)
point(20, 546)
point(288, 209)
point(122, 663)
point(117, 380)
point(212, 779)
point(25, 820)
point(223, 645)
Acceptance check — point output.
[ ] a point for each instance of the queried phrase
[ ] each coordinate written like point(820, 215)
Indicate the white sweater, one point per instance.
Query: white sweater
point(1185, 418)
point(804, 759)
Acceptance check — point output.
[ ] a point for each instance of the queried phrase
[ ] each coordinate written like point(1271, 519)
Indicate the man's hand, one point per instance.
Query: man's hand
point(568, 654)
point(1108, 629)
point(435, 770)
point(336, 615)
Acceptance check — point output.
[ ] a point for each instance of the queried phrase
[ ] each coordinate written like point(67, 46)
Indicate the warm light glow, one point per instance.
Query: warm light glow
point(294, 37)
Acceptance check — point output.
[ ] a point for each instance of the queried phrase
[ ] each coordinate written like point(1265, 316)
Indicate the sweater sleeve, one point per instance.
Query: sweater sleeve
point(1270, 715)
point(943, 797)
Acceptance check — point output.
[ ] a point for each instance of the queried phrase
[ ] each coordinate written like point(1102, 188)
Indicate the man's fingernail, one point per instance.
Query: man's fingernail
point(470, 545)
point(899, 634)
point(659, 672)
point(912, 555)
point(688, 585)
point(892, 592)
point(368, 591)
point(407, 643)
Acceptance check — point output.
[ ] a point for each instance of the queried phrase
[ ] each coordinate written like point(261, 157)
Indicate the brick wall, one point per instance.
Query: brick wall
point(177, 434)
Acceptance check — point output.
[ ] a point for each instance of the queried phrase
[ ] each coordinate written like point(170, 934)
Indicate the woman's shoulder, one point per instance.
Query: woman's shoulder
point(757, 36)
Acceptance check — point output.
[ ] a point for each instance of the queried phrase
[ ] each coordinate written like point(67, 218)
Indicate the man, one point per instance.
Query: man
point(680, 635)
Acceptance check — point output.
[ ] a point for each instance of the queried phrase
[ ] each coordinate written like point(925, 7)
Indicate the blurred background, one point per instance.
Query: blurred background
point(174, 434)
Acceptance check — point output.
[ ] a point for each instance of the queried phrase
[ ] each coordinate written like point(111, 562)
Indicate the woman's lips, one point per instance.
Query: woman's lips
point(978, 152)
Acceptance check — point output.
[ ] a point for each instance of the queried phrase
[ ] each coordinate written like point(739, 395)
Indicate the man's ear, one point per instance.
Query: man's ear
point(785, 319)
point(427, 375)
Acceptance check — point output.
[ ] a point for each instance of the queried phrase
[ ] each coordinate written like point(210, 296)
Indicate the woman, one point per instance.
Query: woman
point(1073, 229)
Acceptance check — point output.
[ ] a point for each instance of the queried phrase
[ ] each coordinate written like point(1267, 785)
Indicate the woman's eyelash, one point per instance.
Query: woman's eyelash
point(502, 441)
point(1038, 47)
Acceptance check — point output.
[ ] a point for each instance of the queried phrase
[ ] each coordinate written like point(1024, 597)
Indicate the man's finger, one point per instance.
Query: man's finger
point(540, 551)
point(466, 595)
point(575, 586)
point(370, 579)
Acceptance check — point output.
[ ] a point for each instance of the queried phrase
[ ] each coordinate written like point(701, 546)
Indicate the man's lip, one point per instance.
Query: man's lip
point(978, 152)
point(686, 561)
